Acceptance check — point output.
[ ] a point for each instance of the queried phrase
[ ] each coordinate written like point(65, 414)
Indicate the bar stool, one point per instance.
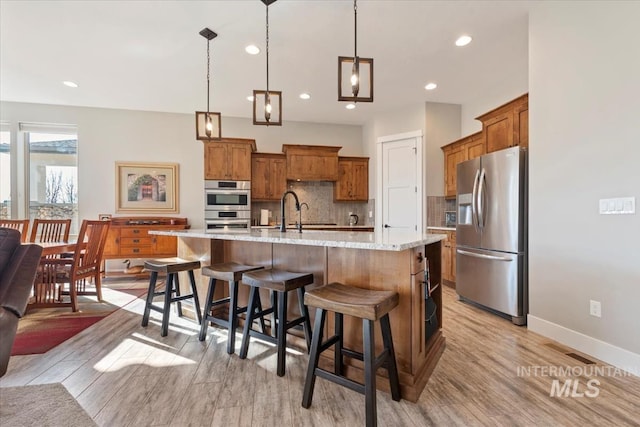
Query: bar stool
point(368, 305)
point(280, 282)
point(229, 272)
point(171, 267)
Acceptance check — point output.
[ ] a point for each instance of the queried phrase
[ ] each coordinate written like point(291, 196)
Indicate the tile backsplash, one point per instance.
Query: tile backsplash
point(322, 208)
point(436, 208)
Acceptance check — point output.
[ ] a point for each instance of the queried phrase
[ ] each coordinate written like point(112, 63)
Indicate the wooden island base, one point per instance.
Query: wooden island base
point(402, 271)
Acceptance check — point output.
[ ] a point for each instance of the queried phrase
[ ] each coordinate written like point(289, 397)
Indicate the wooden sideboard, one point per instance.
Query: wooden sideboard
point(129, 237)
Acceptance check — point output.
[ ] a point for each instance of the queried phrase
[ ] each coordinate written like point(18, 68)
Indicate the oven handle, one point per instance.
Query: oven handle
point(218, 191)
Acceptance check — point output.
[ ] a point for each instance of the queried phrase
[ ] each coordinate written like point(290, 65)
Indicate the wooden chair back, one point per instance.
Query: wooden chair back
point(87, 259)
point(22, 225)
point(50, 230)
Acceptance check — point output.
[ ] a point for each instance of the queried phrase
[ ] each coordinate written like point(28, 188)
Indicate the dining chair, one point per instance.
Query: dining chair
point(22, 225)
point(85, 264)
point(50, 230)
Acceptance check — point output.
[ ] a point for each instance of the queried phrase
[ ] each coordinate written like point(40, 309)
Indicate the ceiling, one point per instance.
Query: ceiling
point(148, 55)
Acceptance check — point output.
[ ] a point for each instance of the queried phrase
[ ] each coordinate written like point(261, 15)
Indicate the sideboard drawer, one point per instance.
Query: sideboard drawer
point(136, 241)
point(136, 251)
point(134, 232)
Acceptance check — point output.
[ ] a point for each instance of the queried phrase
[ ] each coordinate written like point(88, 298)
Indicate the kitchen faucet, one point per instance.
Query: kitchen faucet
point(283, 222)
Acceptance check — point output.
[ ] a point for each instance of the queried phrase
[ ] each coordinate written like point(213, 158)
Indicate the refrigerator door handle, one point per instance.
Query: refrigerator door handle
point(492, 257)
point(480, 202)
point(474, 204)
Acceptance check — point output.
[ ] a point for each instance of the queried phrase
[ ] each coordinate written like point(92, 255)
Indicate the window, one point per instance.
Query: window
point(39, 172)
point(53, 175)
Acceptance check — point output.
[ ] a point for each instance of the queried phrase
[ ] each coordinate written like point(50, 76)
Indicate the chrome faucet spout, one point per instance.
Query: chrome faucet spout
point(283, 223)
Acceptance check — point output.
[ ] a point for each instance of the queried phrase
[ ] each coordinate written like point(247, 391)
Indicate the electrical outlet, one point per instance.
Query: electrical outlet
point(595, 308)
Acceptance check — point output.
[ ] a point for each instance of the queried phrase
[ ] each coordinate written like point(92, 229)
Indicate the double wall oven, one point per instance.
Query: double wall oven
point(227, 205)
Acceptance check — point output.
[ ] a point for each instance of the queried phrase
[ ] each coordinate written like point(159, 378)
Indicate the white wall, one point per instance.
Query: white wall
point(585, 145)
point(442, 126)
point(107, 135)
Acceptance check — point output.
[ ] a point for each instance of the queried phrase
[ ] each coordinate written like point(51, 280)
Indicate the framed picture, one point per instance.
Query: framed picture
point(104, 217)
point(146, 187)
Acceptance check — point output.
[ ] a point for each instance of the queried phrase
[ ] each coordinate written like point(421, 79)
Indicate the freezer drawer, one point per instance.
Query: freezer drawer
point(493, 279)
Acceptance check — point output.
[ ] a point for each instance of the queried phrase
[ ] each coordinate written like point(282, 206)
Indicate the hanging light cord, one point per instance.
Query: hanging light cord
point(208, 62)
point(355, 30)
point(267, 50)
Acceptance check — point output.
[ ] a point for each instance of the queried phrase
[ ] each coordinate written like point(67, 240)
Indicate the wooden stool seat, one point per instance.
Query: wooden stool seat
point(171, 267)
point(279, 282)
point(352, 301)
point(229, 272)
point(368, 305)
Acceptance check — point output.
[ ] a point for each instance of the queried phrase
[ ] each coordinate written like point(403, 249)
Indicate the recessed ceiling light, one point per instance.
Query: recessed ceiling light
point(69, 83)
point(252, 49)
point(431, 86)
point(350, 106)
point(463, 40)
point(305, 96)
point(250, 98)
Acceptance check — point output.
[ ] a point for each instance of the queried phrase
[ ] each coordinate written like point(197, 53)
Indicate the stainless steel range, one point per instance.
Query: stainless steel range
point(227, 205)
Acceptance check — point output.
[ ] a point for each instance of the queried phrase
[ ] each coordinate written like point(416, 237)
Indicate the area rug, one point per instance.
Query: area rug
point(40, 330)
point(46, 405)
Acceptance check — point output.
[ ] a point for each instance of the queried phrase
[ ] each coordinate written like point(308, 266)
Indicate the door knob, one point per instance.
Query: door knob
point(387, 226)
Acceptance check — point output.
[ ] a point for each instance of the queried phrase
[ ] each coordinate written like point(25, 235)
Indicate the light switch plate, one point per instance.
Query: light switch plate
point(617, 206)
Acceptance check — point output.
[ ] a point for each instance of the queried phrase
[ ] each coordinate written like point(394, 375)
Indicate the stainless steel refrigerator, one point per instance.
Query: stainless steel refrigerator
point(491, 232)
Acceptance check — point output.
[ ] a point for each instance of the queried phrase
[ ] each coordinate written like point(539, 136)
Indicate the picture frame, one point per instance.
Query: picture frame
point(146, 187)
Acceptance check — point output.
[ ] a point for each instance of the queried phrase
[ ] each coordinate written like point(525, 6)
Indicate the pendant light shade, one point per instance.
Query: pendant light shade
point(208, 124)
point(267, 104)
point(355, 74)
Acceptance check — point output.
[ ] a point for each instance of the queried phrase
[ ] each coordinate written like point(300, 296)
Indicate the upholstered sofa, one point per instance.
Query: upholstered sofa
point(18, 264)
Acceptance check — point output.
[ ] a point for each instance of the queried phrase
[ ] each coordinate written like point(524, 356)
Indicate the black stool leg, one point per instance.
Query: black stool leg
point(194, 292)
point(207, 309)
point(281, 335)
point(369, 373)
point(337, 355)
point(177, 290)
point(304, 311)
point(274, 313)
point(392, 368)
point(251, 307)
point(233, 316)
point(168, 287)
point(314, 356)
point(150, 294)
point(263, 327)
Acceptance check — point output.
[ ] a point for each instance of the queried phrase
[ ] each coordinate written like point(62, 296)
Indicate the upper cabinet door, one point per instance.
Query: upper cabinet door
point(353, 179)
point(499, 132)
point(228, 159)
point(507, 125)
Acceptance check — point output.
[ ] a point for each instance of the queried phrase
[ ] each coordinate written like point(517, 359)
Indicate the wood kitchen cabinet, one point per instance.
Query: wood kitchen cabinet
point(507, 125)
point(268, 176)
point(467, 148)
point(448, 256)
point(228, 159)
point(129, 237)
point(353, 179)
point(311, 162)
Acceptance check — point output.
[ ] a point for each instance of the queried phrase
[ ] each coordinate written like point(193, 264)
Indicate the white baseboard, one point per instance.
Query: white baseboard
point(608, 353)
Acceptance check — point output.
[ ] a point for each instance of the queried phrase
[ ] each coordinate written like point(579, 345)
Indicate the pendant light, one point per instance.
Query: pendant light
point(355, 74)
point(207, 123)
point(267, 104)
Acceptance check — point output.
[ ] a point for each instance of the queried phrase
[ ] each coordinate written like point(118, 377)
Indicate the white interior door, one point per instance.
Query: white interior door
point(400, 187)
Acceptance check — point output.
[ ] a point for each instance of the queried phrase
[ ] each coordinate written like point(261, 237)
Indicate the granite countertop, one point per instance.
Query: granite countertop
point(386, 241)
point(442, 228)
point(311, 227)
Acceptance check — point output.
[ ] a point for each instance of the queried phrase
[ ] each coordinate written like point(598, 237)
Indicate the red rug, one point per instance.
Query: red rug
point(41, 330)
point(49, 333)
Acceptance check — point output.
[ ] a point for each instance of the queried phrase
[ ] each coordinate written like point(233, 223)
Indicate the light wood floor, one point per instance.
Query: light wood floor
point(126, 375)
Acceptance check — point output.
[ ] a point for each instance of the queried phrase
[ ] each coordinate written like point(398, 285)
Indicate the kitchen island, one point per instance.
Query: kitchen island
point(384, 261)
